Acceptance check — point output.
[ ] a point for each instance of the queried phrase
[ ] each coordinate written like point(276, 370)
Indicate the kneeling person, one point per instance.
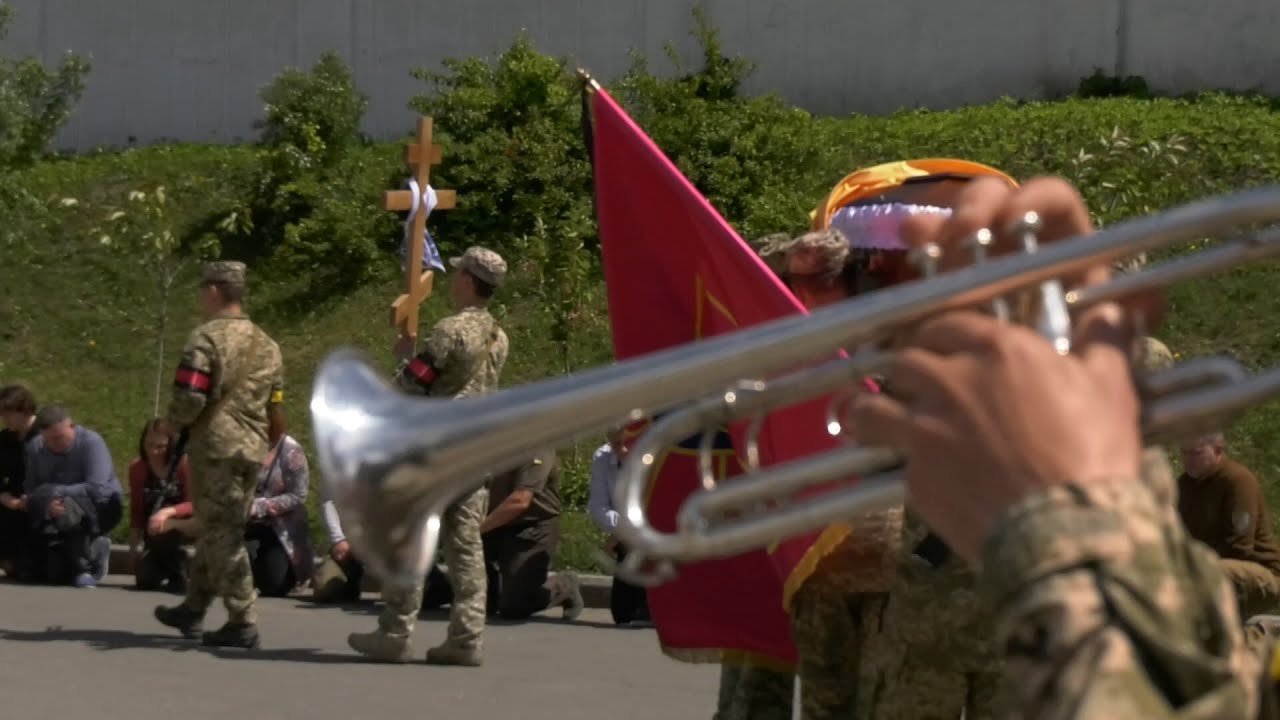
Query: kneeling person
point(520, 534)
point(1221, 504)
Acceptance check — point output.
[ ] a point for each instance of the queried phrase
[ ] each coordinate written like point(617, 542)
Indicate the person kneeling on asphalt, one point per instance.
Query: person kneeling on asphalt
point(520, 535)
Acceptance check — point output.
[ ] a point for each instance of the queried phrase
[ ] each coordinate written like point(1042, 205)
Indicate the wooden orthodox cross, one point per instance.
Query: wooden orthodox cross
point(420, 156)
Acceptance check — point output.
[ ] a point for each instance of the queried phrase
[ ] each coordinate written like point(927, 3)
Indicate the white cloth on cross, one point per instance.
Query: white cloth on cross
point(425, 202)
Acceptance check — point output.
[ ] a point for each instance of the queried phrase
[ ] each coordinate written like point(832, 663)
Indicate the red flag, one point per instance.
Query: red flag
point(677, 272)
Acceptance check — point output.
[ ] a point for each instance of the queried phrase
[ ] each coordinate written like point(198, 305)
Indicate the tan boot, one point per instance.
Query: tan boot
point(572, 603)
point(447, 654)
point(381, 647)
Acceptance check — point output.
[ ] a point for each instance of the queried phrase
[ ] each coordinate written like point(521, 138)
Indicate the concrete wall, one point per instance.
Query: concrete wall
point(190, 69)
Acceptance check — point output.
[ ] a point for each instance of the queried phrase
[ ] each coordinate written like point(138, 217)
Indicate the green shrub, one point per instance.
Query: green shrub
point(758, 161)
point(314, 204)
point(513, 149)
point(1099, 85)
point(35, 103)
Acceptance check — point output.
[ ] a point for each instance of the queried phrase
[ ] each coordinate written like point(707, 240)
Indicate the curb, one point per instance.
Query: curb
point(596, 589)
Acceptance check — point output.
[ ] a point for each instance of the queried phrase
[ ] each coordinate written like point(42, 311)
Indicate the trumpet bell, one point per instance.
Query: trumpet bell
point(376, 470)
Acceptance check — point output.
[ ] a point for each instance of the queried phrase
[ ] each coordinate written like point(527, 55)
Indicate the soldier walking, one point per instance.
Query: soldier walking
point(226, 404)
point(463, 357)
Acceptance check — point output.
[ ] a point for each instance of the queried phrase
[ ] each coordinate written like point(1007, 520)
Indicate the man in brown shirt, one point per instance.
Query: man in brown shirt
point(520, 534)
point(1221, 504)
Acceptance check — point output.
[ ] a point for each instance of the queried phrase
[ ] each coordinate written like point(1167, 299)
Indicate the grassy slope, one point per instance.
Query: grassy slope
point(77, 324)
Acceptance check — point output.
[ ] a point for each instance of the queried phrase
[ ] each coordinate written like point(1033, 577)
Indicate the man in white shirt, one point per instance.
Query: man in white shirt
point(628, 603)
point(339, 578)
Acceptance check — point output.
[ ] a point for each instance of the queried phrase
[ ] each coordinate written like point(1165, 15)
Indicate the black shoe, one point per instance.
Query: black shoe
point(240, 635)
point(177, 585)
point(187, 621)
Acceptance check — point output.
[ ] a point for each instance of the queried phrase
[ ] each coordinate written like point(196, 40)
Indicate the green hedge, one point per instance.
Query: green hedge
point(77, 322)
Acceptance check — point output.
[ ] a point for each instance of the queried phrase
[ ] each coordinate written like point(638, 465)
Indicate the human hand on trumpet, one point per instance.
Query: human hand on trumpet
point(989, 412)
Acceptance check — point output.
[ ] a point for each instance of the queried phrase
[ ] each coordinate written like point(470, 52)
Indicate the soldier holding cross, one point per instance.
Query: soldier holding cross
point(463, 356)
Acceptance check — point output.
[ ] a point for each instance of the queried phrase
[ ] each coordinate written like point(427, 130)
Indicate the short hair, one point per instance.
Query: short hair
point(51, 415)
point(17, 399)
point(483, 289)
point(231, 292)
point(1216, 437)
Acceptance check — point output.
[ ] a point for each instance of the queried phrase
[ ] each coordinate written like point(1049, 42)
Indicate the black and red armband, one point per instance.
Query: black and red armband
point(422, 371)
point(193, 379)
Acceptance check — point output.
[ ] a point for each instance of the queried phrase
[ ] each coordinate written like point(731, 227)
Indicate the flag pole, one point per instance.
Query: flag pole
point(589, 88)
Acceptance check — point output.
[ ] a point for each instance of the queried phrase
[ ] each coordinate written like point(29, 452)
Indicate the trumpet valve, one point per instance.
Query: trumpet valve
point(926, 258)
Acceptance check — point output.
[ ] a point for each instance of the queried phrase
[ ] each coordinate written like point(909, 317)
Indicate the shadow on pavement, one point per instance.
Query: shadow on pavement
point(298, 655)
point(101, 639)
point(372, 608)
point(123, 640)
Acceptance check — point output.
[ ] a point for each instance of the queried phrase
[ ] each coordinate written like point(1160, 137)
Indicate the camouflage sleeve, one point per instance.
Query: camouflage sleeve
point(193, 383)
point(420, 373)
point(1105, 608)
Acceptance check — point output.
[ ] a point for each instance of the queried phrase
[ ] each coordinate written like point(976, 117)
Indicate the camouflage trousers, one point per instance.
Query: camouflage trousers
point(223, 492)
point(463, 552)
point(1257, 588)
point(835, 631)
point(935, 656)
point(748, 692)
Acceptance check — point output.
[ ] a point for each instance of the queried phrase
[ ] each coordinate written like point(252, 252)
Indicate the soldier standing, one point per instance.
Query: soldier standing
point(463, 356)
point(226, 403)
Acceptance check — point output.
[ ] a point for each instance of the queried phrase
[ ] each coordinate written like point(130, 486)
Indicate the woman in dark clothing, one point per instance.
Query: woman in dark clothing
point(18, 413)
point(160, 512)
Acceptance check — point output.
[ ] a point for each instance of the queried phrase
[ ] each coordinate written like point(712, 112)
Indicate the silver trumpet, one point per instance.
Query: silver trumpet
point(393, 464)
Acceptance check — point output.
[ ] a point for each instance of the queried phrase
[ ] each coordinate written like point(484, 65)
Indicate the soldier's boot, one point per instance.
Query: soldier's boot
point(184, 619)
point(381, 647)
point(450, 654)
point(569, 595)
point(237, 635)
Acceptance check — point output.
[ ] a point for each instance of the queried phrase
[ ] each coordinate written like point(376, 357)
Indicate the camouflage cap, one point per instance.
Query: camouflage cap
point(830, 243)
point(483, 263)
point(1151, 355)
point(224, 271)
point(773, 250)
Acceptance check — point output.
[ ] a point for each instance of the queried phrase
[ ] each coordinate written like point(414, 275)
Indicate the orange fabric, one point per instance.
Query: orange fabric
point(873, 180)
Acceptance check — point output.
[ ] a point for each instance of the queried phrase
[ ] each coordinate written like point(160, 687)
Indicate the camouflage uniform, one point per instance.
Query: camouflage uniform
point(936, 657)
point(1105, 607)
point(749, 692)
point(1150, 356)
point(836, 612)
point(933, 657)
point(462, 357)
point(230, 372)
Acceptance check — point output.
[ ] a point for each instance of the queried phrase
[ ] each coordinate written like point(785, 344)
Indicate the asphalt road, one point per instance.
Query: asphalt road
point(98, 653)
